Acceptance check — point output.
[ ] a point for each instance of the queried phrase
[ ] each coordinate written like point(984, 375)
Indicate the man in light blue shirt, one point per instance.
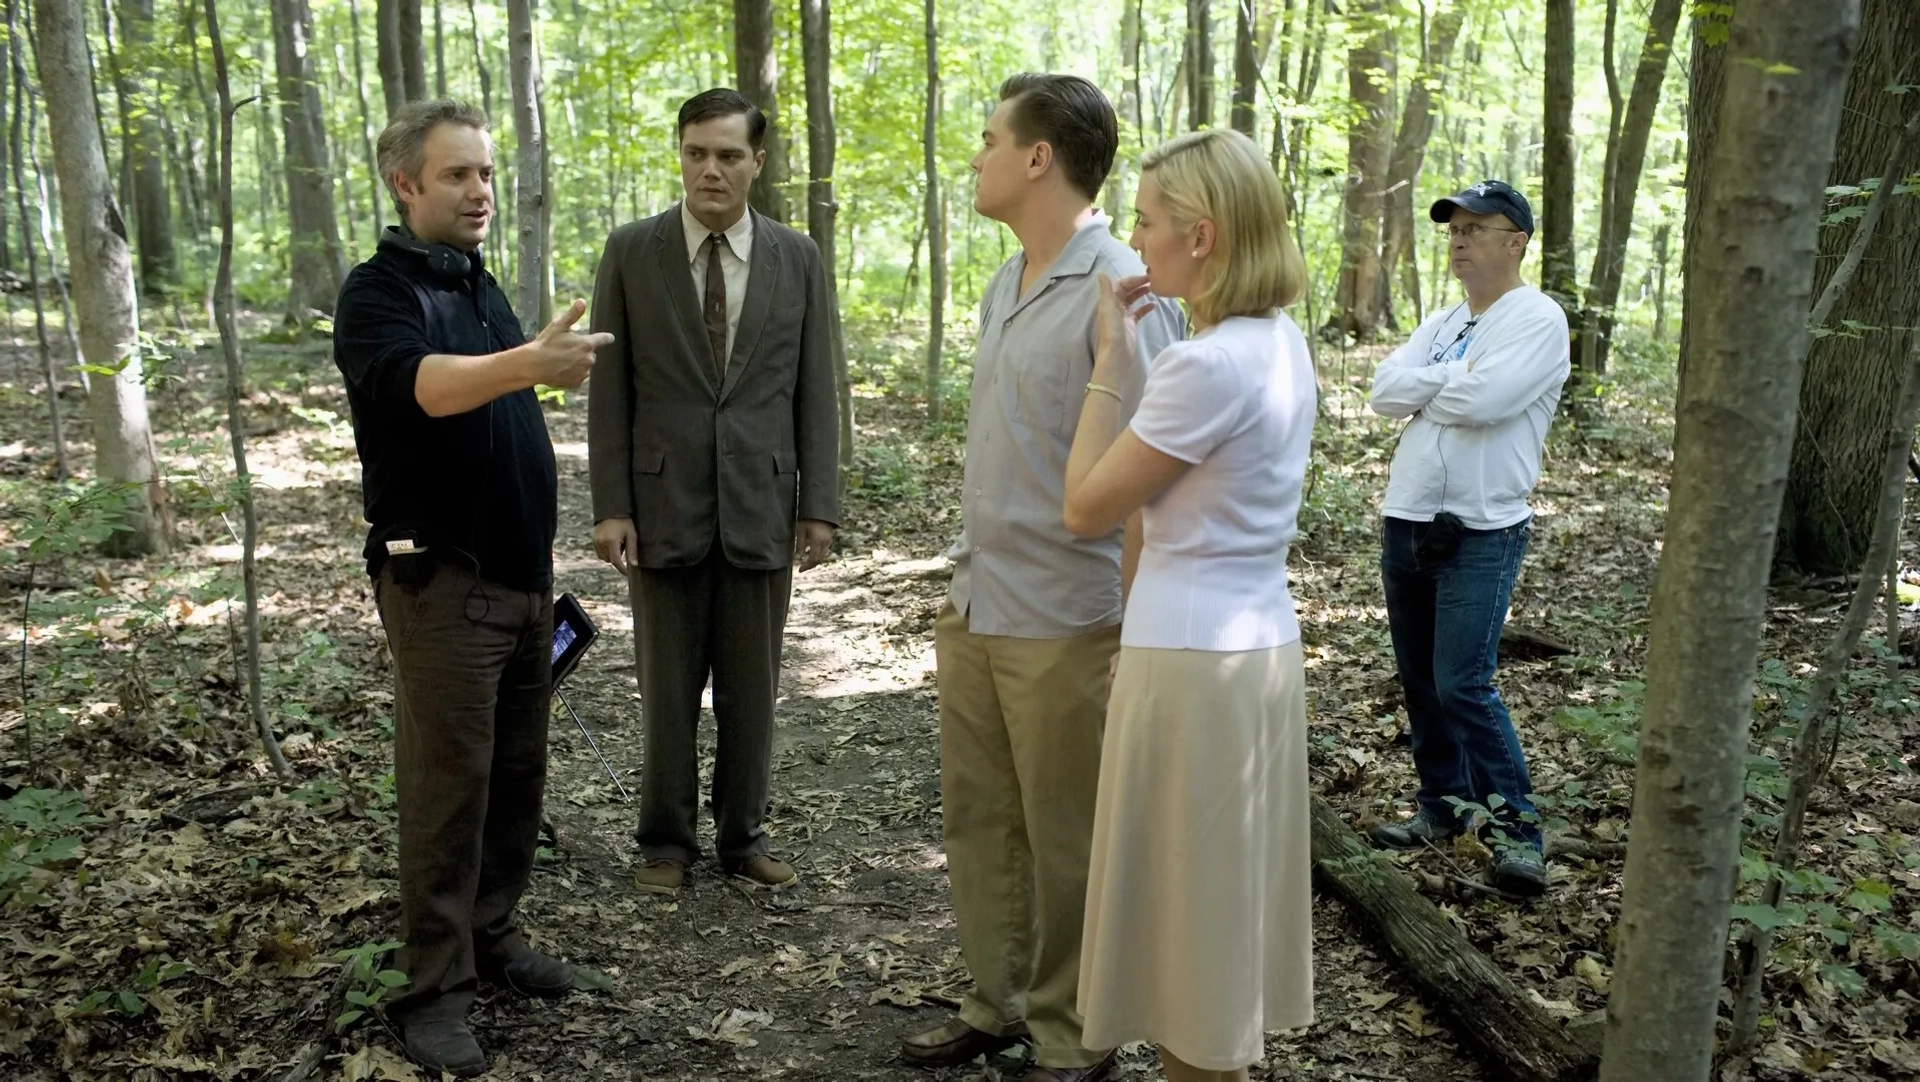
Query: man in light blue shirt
point(1034, 615)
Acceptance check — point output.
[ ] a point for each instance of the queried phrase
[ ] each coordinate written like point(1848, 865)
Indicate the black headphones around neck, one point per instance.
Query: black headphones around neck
point(444, 260)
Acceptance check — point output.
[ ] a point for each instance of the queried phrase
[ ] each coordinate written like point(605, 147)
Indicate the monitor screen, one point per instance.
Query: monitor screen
point(573, 632)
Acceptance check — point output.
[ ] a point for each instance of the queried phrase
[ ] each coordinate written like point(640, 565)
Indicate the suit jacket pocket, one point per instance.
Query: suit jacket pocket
point(786, 490)
point(780, 337)
point(649, 491)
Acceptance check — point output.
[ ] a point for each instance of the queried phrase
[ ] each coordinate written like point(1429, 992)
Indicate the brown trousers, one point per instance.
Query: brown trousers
point(689, 623)
point(472, 675)
point(1020, 729)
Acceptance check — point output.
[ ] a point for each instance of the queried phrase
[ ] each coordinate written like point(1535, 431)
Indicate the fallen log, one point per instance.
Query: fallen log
point(1485, 1009)
point(1517, 640)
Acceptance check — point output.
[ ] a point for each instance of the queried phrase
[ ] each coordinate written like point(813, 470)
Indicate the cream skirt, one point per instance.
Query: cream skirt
point(1199, 930)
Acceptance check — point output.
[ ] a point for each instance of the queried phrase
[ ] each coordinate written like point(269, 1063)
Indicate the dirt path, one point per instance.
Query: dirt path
point(819, 982)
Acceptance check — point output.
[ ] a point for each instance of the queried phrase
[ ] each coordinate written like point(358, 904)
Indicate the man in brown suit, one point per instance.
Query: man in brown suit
point(713, 447)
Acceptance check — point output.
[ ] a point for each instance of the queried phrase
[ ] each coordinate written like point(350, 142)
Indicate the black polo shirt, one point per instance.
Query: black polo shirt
point(477, 487)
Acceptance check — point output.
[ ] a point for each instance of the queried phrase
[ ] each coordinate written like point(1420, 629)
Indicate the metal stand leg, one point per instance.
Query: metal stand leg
point(611, 773)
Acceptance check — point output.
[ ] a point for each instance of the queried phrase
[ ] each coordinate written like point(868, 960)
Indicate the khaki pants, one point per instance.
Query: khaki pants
point(1020, 725)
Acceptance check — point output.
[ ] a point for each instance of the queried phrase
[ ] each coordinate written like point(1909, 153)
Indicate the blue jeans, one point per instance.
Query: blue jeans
point(1446, 620)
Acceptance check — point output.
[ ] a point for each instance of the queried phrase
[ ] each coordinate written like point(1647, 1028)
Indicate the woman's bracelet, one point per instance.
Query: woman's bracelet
point(1101, 388)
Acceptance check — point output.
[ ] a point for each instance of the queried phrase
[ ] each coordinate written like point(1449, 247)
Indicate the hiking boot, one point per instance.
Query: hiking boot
point(764, 871)
point(953, 1044)
point(1423, 829)
point(660, 876)
point(444, 1046)
point(531, 973)
point(1519, 869)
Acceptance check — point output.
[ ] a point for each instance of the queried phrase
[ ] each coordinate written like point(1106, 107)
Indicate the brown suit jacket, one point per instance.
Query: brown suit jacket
point(689, 461)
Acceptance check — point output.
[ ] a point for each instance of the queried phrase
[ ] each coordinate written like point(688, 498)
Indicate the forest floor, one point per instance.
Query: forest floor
point(187, 916)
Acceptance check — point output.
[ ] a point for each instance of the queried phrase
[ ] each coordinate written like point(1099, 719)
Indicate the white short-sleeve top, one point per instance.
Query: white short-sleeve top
point(1237, 402)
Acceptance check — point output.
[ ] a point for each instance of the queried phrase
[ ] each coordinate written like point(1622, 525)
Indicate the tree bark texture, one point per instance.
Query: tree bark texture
point(318, 262)
point(1623, 182)
point(1369, 154)
point(1733, 436)
point(757, 66)
point(823, 209)
point(1853, 373)
point(1557, 159)
point(101, 264)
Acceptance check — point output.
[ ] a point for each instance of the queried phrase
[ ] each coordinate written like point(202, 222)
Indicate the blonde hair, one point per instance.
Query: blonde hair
point(1219, 175)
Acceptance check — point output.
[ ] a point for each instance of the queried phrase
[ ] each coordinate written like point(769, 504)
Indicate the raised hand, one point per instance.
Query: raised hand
point(560, 357)
point(1122, 305)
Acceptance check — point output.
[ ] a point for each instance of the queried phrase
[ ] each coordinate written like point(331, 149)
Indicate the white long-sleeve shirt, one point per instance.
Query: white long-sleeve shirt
point(1481, 393)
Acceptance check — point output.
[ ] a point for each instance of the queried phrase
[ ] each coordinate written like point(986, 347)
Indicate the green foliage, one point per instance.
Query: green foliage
point(132, 1001)
point(55, 521)
point(372, 983)
point(1612, 724)
point(39, 837)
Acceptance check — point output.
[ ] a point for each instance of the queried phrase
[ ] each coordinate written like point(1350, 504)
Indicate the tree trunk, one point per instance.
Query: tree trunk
point(936, 229)
point(1706, 93)
point(413, 51)
point(816, 36)
point(1662, 240)
point(1854, 370)
point(393, 78)
point(1132, 103)
point(1758, 242)
point(236, 395)
point(1369, 154)
point(6, 168)
point(480, 62)
point(529, 163)
point(317, 261)
point(757, 67)
point(1557, 160)
point(1246, 68)
point(375, 190)
point(208, 107)
point(1397, 251)
point(1199, 57)
point(1623, 184)
point(23, 108)
point(152, 211)
point(439, 52)
point(102, 269)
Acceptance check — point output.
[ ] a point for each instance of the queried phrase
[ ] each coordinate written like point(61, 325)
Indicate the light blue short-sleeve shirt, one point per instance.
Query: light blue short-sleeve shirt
point(1017, 571)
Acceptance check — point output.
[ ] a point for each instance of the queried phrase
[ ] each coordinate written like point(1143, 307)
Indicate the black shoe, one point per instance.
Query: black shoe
point(1425, 828)
point(444, 1046)
point(1519, 869)
point(531, 973)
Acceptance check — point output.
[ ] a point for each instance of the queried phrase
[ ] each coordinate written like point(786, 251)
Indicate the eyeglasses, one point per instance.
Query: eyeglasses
point(1471, 231)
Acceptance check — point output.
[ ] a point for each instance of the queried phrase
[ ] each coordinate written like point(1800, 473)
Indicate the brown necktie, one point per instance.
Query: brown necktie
point(716, 309)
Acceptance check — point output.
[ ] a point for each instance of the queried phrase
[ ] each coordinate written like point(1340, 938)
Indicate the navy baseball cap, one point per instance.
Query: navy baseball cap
point(1488, 197)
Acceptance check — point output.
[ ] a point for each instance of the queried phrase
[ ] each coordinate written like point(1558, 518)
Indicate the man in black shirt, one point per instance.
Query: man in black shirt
point(459, 486)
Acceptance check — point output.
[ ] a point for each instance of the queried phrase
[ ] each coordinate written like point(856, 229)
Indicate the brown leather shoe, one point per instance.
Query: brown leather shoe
point(660, 876)
point(764, 871)
point(1095, 1073)
point(952, 1044)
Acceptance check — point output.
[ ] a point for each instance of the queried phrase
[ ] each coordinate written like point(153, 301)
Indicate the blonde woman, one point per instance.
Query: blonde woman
point(1198, 934)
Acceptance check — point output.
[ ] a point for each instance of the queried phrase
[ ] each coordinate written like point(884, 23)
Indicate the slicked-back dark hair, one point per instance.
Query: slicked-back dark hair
point(723, 101)
point(1070, 115)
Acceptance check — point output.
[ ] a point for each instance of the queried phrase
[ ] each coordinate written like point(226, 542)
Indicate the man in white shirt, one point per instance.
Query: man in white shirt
point(1480, 382)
